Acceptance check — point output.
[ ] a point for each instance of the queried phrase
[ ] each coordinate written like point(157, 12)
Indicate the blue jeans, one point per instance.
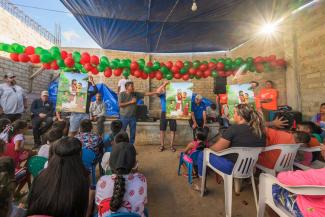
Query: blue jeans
point(220, 163)
point(132, 122)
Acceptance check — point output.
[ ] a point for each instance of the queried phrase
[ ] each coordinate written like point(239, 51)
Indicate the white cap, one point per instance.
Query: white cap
point(45, 93)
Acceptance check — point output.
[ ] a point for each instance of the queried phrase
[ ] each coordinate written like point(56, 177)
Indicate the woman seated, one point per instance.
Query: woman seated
point(301, 205)
point(248, 131)
point(61, 190)
point(319, 118)
point(123, 191)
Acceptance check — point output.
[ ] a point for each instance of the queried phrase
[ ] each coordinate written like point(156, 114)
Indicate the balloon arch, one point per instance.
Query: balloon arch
point(56, 59)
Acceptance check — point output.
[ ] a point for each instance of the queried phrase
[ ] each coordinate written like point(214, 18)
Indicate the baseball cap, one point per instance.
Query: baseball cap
point(123, 156)
point(198, 97)
point(44, 93)
point(10, 75)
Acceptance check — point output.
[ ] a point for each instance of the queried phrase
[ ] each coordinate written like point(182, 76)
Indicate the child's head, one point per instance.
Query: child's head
point(53, 135)
point(60, 125)
point(3, 123)
point(116, 126)
point(213, 106)
point(86, 126)
point(309, 127)
point(121, 137)
point(301, 137)
point(322, 108)
point(19, 126)
point(200, 134)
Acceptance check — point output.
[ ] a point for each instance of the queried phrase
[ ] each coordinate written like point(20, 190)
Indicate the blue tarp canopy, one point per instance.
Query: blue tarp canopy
point(170, 26)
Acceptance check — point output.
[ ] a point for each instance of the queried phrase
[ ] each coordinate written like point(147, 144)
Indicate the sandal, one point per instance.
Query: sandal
point(161, 148)
point(172, 149)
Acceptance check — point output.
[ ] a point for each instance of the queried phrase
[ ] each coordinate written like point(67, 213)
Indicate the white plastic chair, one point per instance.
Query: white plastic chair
point(306, 149)
point(265, 194)
point(243, 168)
point(285, 160)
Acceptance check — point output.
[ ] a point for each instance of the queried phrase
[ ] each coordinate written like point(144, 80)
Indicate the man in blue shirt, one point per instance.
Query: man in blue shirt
point(198, 114)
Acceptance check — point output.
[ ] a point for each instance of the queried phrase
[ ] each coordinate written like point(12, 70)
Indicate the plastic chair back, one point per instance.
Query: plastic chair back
point(286, 159)
point(88, 158)
point(36, 164)
point(194, 156)
point(246, 162)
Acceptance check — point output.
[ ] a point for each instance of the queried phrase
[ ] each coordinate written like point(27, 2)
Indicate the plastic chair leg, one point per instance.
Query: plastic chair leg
point(180, 164)
point(203, 181)
point(189, 173)
point(237, 183)
point(228, 194)
point(254, 191)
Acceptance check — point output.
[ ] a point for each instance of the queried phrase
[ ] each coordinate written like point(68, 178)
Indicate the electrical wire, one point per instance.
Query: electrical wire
point(38, 8)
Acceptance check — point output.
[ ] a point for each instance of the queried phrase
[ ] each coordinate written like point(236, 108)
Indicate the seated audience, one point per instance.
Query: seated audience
point(52, 136)
point(97, 112)
point(301, 205)
point(319, 119)
point(61, 190)
point(121, 137)
point(116, 127)
point(7, 188)
point(5, 127)
point(212, 113)
point(248, 131)
point(62, 126)
point(275, 136)
point(123, 191)
point(63, 118)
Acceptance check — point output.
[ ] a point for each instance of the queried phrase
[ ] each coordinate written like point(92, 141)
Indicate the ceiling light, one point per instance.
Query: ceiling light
point(194, 6)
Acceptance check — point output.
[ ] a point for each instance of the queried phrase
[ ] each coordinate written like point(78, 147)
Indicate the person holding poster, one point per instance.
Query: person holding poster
point(269, 99)
point(198, 114)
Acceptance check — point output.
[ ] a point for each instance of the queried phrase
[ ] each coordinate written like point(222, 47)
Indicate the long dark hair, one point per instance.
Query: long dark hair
point(253, 118)
point(17, 125)
point(118, 190)
point(7, 184)
point(61, 190)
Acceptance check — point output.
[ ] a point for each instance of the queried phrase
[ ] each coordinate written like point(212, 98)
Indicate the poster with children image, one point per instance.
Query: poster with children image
point(179, 100)
point(72, 92)
point(239, 94)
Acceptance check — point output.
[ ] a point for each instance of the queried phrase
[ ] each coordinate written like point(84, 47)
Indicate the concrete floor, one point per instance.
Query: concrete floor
point(169, 195)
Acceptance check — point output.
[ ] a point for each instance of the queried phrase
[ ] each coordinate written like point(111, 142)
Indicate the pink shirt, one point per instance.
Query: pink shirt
point(310, 206)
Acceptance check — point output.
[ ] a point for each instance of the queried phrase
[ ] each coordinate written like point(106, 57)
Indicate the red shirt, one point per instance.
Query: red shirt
point(266, 94)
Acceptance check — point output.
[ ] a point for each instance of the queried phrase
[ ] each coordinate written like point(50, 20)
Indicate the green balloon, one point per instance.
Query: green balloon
point(18, 48)
point(183, 70)
point(11, 49)
point(4, 47)
point(187, 64)
point(250, 60)
point(156, 66)
point(78, 66)
point(147, 69)
point(214, 73)
point(196, 64)
point(267, 67)
point(197, 77)
point(252, 68)
point(169, 76)
point(55, 52)
point(164, 70)
point(46, 58)
point(84, 71)
point(61, 63)
point(204, 62)
point(126, 72)
point(221, 60)
point(113, 64)
point(104, 60)
point(76, 56)
point(228, 61)
point(101, 68)
point(239, 61)
point(123, 63)
point(227, 67)
point(214, 60)
point(192, 76)
point(141, 61)
point(38, 50)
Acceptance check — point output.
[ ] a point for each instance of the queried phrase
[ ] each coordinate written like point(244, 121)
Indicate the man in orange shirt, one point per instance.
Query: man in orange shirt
point(268, 99)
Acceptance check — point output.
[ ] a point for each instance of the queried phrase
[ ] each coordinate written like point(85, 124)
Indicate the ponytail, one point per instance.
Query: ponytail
point(118, 192)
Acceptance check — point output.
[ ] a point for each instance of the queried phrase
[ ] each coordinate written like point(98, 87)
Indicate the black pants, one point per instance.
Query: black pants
point(38, 129)
point(12, 117)
point(199, 124)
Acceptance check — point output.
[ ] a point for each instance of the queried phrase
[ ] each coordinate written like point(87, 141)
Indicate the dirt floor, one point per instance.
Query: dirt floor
point(170, 195)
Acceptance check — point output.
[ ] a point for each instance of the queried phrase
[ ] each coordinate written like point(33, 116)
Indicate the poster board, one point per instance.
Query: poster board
point(239, 94)
point(179, 100)
point(72, 92)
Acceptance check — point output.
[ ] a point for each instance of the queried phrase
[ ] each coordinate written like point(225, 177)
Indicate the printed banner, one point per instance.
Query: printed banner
point(239, 94)
point(179, 100)
point(72, 92)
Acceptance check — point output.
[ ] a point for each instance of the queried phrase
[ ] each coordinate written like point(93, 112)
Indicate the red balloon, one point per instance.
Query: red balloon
point(162, 64)
point(152, 75)
point(273, 64)
point(169, 64)
point(23, 58)
point(94, 71)
point(281, 62)
point(34, 58)
point(259, 67)
point(220, 66)
point(192, 71)
point(69, 62)
point(144, 76)
point(29, 50)
point(14, 57)
point(88, 66)
point(207, 73)
point(199, 73)
point(149, 64)
point(258, 59)
point(186, 77)
point(94, 60)
point(134, 65)
point(222, 74)
point(272, 58)
point(137, 73)
point(70, 55)
point(85, 58)
point(179, 64)
point(47, 65)
point(229, 73)
point(211, 65)
point(108, 72)
point(175, 69)
point(117, 72)
point(177, 76)
point(203, 67)
point(159, 75)
point(54, 65)
point(64, 54)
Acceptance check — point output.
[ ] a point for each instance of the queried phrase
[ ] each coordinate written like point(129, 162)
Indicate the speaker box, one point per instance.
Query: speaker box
point(219, 86)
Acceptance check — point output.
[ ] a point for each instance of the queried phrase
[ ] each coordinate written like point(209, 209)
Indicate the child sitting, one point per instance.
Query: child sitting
point(53, 135)
point(62, 126)
point(212, 113)
point(116, 127)
point(15, 146)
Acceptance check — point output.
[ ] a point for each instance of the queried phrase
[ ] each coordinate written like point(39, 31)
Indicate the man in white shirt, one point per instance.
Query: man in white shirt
point(121, 84)
point(97, 112)
point(13, 99)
